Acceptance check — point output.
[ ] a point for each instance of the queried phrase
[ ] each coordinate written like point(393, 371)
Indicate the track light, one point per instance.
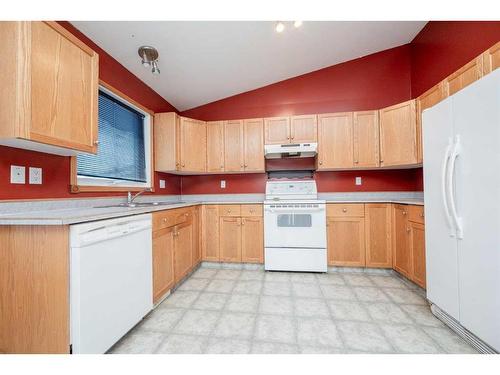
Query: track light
point(149, 58)
point(297, 23)
point(280, 26)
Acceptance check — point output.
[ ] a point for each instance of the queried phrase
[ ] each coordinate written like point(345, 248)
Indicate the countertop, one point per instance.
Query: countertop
point(66, 212)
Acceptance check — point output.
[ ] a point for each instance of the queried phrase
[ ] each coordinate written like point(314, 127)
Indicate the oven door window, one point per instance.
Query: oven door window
point(294, 220)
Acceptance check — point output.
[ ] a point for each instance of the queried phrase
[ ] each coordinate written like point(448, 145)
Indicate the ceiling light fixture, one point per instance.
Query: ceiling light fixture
point(297, 23)
point(149, 56)
point(280, 26)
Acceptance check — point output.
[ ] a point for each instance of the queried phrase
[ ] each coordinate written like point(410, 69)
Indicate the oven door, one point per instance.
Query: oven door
point(295, 225)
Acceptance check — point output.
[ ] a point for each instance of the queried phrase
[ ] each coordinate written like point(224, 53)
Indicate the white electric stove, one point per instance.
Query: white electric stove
point(294, 227)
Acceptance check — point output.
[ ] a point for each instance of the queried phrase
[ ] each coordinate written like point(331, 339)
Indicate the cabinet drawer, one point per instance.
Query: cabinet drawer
point(416, 214)
point(345, 210)
point(251, 210)
point(164, 219)
point(230, 210)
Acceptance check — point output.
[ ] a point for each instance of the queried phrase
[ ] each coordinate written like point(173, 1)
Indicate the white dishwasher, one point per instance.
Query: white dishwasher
point(110, 280)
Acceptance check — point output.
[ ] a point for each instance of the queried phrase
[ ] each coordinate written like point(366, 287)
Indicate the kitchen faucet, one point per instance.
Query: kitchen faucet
point(131, 198)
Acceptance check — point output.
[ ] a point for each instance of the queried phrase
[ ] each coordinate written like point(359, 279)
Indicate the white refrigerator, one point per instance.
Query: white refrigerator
point(461, 140)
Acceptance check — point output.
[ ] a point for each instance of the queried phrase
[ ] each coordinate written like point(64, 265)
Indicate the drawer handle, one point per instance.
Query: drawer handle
point(344, 210)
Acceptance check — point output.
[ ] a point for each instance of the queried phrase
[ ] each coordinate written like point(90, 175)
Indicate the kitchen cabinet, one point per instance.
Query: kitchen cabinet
point(163, 262)
point(252, 239)
point(215, 146)
point(491, 59)
point(49, 91)
point(253, 140)
point(417, 248)
point(196, 236)
point(428, 99)
point(464, 76)
point(378, 238)
point(346, 235)
point(304, 129)
point(398, 139)
point(366, 139)
point(244, 145)
point(401, 230)
point(230, 239)
point(193, 145)
point(335, 141)
point(277, 130)
point(210, 233)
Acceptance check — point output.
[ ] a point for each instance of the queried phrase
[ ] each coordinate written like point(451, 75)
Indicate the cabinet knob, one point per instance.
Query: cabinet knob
point(186, 214)
point(422, 214)
point(344, 210)
point(408, 230)
point(251, 211)
point(228, 211)
point(287, 137)
point(246, 165)
point(183, 165)
point(356, 162)
point(164, 219)
point(293, 137)
point(320, 163)
point(404, 212)
point(96, 143)
point(381, 160)
point(221, 167)
point(243, 222)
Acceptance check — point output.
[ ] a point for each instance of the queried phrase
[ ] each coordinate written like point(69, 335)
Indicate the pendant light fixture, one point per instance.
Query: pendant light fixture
point(149, 56)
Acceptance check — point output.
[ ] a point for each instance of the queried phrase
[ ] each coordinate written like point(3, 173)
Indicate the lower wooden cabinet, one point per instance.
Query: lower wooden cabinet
point(230, 239)
point(252, 240)
point(183, 249)
point(163, 262)
point(378, 235)
point(409, 242)
point(210, 233)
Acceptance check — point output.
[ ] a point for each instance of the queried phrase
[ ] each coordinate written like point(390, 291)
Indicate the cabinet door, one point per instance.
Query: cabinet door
point(346, 241)
point(165, 141)
point(183, 250)
point(254, 145)
point(366, 139)
point(335, 141)
point(196, 236)
point(464, 76)
point(230, 239)
point(304, 129)
point(417, 245)
point(398, 140)
point(378, 235)
point(210, 233)
point(277, 130)
point(428, 99)
point(215, 146)
point(491, 59)
point(64, 89)
point(252, 239)
point(163, 262)
point(233, 146)
point(400, 243)
point(193, 146)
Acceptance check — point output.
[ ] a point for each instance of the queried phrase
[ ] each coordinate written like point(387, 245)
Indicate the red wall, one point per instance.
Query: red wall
point(444, 46)
point(56, 173)
point(370, 82)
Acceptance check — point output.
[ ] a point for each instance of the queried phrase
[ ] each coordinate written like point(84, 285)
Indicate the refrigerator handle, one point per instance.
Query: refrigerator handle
point(444, 175)
point(451, 174)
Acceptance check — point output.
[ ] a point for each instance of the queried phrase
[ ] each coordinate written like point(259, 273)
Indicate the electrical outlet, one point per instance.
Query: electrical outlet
point(222, 184)
point(17, 174)
point(162, 184)
point(358, 181)
point(35, 176)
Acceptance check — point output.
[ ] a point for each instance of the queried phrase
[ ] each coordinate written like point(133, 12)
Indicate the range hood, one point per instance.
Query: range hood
point(297, 150)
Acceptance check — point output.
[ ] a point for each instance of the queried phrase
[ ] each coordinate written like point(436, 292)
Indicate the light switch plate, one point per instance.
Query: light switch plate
point(222, 184)
point(162, 184)
point(17, 174)
point(35, 176)
point(358, 181)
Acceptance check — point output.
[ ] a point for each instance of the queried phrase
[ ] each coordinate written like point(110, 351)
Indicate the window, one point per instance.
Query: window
point(123, 156)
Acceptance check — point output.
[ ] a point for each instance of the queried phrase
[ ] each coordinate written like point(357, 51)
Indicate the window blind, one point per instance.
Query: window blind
point(120, 152)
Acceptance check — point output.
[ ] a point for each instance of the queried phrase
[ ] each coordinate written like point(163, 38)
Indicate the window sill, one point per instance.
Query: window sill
point(101, 189)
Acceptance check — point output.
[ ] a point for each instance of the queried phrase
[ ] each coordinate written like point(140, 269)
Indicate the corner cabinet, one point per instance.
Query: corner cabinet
point(49, 91)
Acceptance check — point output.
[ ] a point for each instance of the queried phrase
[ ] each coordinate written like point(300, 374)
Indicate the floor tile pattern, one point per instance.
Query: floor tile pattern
point(252, 311)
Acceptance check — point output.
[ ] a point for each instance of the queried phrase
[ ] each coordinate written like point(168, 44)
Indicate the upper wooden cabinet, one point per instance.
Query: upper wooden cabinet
point(304, 129)
point(277, 130)
point(398, 141)
point(491, 59)
point(244, 145)
point(366, 139)
point(50, 87)
point(215, 146)
point(233, 146)
point(180, 144)
point(335, 141)
point(464, 76)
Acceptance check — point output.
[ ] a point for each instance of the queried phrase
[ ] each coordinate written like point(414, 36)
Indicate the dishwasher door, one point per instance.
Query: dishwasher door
point(111, 286)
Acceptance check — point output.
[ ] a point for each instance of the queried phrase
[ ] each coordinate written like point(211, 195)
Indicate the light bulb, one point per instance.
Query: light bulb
point(146, 64)
point(297, 23)
point(155, 69)
point(280, 26)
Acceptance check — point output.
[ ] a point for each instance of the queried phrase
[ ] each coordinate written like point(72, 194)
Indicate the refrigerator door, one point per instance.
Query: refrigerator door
point(440, 241)
point(476, 120)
